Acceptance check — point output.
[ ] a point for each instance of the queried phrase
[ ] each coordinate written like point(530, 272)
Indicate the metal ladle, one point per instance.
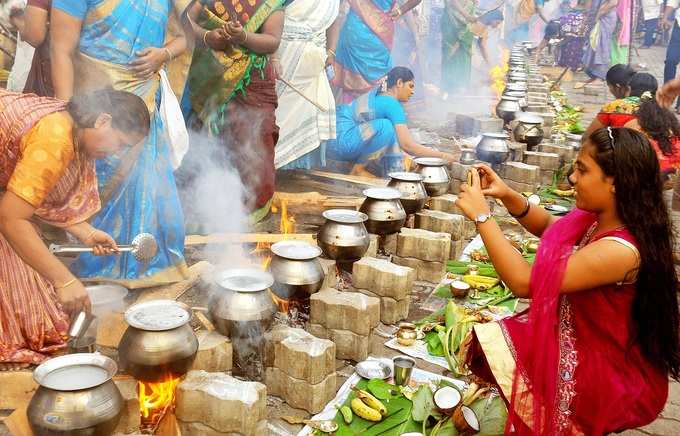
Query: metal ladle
point(143, 247)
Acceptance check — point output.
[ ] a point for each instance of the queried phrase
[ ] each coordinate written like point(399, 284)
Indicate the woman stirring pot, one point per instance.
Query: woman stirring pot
point(602, 329)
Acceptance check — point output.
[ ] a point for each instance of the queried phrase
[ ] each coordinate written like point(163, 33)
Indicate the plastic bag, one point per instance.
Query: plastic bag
point(175, 127)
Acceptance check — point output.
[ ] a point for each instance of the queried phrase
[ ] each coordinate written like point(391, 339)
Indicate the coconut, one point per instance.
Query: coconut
point(446, 399)
point(465, 420)
point(459, 288)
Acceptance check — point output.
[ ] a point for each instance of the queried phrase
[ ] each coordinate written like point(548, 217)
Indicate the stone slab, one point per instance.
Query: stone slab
point(391, 310)
point(520, 172)
point(344, 311)
point(426, 271)
point(382, 278)
point(546, 161)
point(423, 244)
point(301, 394)
point(441, 222)
point(348, 345)
point(214, 352)
point(310, 359)
point(445, 203)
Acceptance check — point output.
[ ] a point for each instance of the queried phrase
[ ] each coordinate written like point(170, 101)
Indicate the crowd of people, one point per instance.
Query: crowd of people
point(289, 84)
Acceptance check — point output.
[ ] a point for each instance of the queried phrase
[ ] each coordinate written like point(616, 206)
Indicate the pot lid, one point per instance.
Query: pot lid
point(407, 177)
point(296, 250)
point(528, 118)
point(157, 315)
point(430, 161)
point(345, 216)
point(244, 280)
point(383, 193)
point(508, 98)
point(496, 135)
point(73, 372)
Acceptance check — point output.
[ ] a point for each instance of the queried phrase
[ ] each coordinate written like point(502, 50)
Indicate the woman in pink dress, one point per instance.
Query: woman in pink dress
point(594, 352)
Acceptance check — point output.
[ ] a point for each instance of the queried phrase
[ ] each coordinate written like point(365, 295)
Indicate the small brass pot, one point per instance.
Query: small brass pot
point(407, 335)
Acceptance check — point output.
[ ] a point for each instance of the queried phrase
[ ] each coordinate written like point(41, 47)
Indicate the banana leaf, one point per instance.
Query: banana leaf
point(434, 343)
point(492, 415)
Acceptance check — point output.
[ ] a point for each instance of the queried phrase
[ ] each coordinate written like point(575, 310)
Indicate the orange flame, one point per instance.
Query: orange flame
point(286, 226)
point(155, 399)
point(498, 72)
point(282, 304)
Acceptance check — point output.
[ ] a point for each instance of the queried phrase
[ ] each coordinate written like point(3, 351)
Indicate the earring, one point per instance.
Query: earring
point(613, 190)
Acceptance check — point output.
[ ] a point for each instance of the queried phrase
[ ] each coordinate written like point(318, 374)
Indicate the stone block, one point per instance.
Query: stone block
point(459, 171)
point(382, 278)
point(547, 161)
point(441, 222)
point(520, 172)
point(16, 388)
point(221, 402)
point(373, 246)
point(345, 310)
point(517, 150)
point(391, 310)
point(457, 248)
point(330, 271)
point(566, 153)
point(300, 394)
point(547, 177)
point(469, 229)
point(198, 429)
point(214, 352)
point(129, 419)
point(520, 187)
point(348, 345)
point(389, 243)
point(423, 244)
point(471, 125)
point(426, 271)
point(454, 186)
point(277, 334)
point(593, 90)
point(445, 203)
point(305, 358)
point(110, 329)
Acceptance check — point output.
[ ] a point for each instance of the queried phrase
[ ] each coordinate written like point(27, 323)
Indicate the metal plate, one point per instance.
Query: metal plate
point(382, 193)
point(406, 177)
point(430, 161)
point(244, 280)
point(556, 208)
point(157, 315)
point(296, 250)
point(369, 369)
point(73, 372)
point(345, 216)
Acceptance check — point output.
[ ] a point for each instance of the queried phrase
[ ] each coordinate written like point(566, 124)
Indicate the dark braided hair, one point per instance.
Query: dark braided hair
point(631, 161)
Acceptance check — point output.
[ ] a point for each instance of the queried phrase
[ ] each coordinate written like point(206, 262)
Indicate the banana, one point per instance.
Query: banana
point(371, 401)
point(346, 413)
point(480, 283)
point(561, 193)
point(363, 411)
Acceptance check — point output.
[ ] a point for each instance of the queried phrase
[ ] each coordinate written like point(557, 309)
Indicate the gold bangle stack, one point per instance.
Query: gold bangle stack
point(67, 284)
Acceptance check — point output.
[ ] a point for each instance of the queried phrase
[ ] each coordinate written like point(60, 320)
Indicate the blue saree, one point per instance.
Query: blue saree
point(363, 50)
point(138, 189)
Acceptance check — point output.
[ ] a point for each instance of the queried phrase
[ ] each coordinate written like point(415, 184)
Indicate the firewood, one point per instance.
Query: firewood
point(245, 238)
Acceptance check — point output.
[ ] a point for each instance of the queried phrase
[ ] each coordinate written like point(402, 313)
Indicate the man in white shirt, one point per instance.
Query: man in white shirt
point(651, 11)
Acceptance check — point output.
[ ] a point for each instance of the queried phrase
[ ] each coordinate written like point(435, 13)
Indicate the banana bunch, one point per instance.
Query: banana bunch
point(562, 193)
point(367, 406)
point(480, 283)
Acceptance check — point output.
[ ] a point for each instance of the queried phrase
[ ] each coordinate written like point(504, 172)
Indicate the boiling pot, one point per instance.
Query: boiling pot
point(296, 269)
point(385, 213)
point(412, 189)
point(435, 175)
point(507, 107)
point(493, 148)
point(158, 341)
point(528, 129)
point(76, 396)
point(343, 237)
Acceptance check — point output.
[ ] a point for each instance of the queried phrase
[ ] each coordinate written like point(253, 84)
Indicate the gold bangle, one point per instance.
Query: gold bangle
point(245, 37)
point(331, 51)
point(167, 50)
point(205, 35)
point(69, 283)
point(89, 235)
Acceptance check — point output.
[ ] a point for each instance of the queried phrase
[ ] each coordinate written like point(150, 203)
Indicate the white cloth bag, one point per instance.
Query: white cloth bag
point(176, 129)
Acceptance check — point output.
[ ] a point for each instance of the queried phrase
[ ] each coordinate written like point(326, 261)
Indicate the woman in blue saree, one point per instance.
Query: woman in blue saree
point(121, 43)
point(372, 130)
point(361, 52)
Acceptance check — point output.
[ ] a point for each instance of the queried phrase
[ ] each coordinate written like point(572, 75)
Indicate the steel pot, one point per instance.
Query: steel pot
point(515, 87)
point(76, 396)
point(507, 107)
point(467, 156)
point(385, 213)
point(296, 269)
point(243, 296)
point(435, 175)
point(343, 237)
point(493, 148)
point(412, 189)
point(158, 341)
point(528, 129)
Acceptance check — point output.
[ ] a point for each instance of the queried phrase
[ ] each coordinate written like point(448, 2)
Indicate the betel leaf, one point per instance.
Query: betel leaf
point(434, 344)
point(492, 415)
point(423, 403)
point(382, 390)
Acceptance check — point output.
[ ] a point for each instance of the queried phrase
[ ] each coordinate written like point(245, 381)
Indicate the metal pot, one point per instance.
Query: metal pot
point(76, 396)
point(528, 129)
point(435, 175)
point(343, 237)
point(413, 193)
point(467, 156)
point(515, 87)
point(385, 213)
point(493, 148)
point(507, 107)
point(296, 269)
point(243, 296)
point(159, 340)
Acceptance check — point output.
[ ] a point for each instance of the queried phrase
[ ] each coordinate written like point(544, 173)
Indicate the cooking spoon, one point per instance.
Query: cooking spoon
point(143, 247)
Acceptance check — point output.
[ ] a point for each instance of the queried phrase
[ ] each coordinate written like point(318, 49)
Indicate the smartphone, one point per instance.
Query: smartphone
point(330, 72)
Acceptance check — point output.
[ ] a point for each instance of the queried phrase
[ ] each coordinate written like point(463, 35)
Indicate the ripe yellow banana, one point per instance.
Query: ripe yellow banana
point(561, 193)
point(363, 411)
point(480, 283)
point(371, 401)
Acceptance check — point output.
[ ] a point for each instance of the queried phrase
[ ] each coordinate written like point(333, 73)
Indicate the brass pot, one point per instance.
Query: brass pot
point(158, 341)
point(385, 213)
point(413, 193)
point(76, 396)
point(296, 269)
point(407, 334)
point(343, 237)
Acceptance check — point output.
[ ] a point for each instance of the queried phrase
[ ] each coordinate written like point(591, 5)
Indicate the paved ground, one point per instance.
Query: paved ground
point(652, 61)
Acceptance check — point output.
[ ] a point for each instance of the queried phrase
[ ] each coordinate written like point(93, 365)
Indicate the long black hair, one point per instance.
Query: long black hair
point(631, 161)
point(619, 75)
point(641, 83)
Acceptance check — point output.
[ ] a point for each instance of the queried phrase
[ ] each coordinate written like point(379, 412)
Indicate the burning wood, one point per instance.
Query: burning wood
point(155, 400)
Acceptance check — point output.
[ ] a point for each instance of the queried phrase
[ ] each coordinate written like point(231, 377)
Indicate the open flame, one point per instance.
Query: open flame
point(283, 305)
point(155, 399)
point(498, 72)
point(286, 227)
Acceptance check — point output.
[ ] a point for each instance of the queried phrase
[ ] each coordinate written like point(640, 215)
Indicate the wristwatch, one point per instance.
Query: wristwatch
point(482, 218)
